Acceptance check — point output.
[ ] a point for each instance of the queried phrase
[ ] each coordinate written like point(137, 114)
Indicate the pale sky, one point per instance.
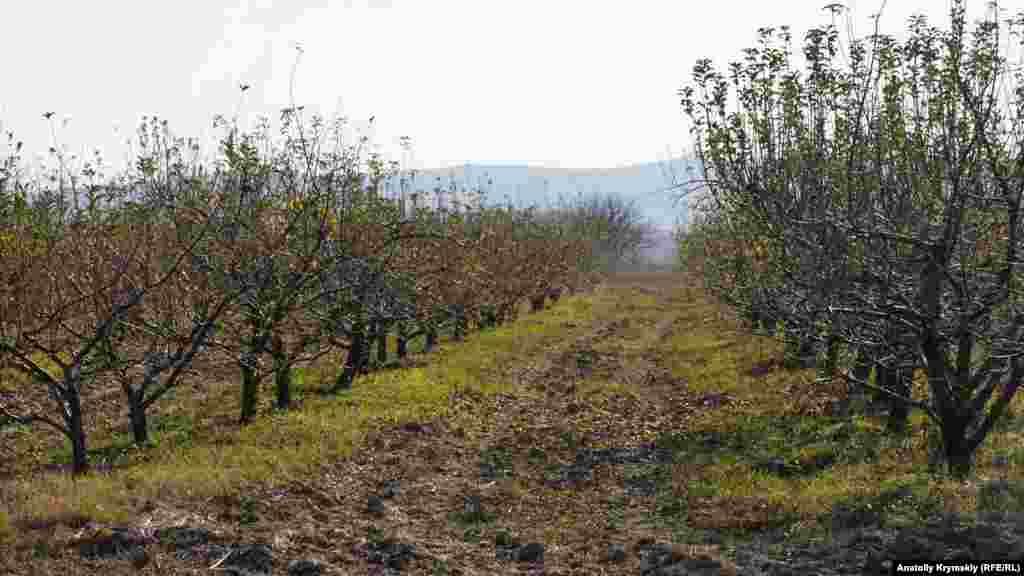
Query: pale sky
point(556, 83)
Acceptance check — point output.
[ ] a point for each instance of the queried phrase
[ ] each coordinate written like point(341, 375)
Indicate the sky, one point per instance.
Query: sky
point(553, 83)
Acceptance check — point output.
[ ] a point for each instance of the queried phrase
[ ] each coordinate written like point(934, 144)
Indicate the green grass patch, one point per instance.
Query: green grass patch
point(291, 444)
point(6, 530)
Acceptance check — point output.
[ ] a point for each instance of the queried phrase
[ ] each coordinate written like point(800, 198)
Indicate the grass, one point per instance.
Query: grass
point(195, 454)
point(632, 362)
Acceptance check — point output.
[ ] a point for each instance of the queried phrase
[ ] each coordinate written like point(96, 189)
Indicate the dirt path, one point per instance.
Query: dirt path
point(500, 450)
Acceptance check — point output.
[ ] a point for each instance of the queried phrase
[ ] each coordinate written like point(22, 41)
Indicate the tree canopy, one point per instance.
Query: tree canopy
point(883, 183)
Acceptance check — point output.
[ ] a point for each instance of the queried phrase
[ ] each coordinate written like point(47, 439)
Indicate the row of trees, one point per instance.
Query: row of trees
point(274, 256)
point(873, 201)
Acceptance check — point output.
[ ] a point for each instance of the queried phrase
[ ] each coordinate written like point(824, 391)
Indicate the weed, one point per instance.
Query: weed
point(41, 549)
point(616, 512)
point(471, 534)
point(503, 538)
point(569, 439)
point(472, 513)
point(701, 489)
point(495, 463)
point(374, 535)
point(247, 510)
point(676, 507)
point(440, 568)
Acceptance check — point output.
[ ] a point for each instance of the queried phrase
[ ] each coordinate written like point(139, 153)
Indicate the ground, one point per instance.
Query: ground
point(638, 414)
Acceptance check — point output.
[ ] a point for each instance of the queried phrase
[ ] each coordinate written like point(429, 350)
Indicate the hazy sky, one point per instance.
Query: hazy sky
point(557, 83)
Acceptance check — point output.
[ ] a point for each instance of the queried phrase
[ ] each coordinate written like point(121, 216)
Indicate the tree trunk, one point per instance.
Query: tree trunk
point(345, 379)
point(537, 303)
point(827, 369)
point(402, 340)
point(282, 374)
point(382, 343)
point(555, 294)
point(896, 379)
point(959, 458)
point(372, 333)
point(862, 365)
point(136, 410)
point(799, 353)
point(250, 388)
point(356, 356)
point(488, 316)
point(759, 317)
point(137, 416)
point(460, 322)
point(431, 330)
point(248, 365)
point(761, 320)
point(364, 361)
point(73, 402)
point(283, 383)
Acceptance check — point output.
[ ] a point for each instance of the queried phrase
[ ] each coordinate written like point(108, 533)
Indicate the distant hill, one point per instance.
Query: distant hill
point(647, 185)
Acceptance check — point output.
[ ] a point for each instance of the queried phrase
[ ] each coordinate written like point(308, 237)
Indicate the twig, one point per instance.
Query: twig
point(217, 564)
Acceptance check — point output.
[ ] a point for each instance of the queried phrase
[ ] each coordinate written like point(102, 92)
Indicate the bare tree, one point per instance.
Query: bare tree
point(887, 192)
point(63, 309)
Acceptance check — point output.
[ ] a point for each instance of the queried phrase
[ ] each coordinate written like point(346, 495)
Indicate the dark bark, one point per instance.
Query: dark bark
point(67, 394)
point(372, 330)
point(382, 343)
point(250, 392)
point(537, 303)
point(460, 322)
point(250, 372)
point(507, 312)
point(861, 370)
point(898, 380)
point(356, 356)
point(137, 415)
point(402, 340)
point(488, 316)
point(800, 352)
point(831, 357)
point(761, 317)
point(555, 294)
point(136, 397)
point(282, 374)
point(79, 457)
point(956, 450)
point(932, 255)
point(431, 331)
point(896, 376)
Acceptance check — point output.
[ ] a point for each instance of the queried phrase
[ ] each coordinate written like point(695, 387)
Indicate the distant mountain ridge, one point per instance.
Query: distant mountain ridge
point(648, 185)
